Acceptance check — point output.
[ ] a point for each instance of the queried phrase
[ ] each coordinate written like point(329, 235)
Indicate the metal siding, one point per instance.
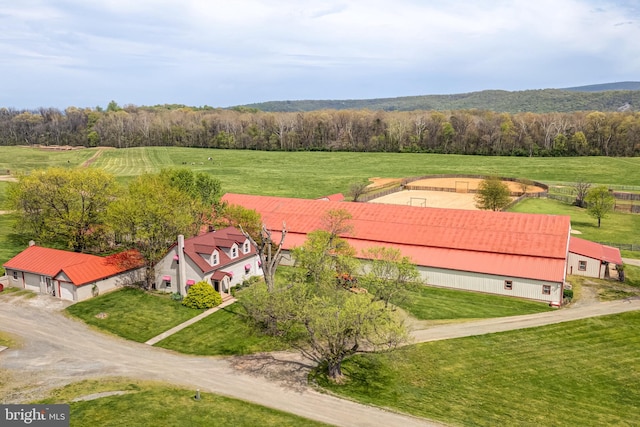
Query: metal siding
point(593, 266)
point(522, 288)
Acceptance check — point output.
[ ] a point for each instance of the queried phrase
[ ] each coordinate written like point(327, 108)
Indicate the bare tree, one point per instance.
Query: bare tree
point(581, 188)
point(270, 254)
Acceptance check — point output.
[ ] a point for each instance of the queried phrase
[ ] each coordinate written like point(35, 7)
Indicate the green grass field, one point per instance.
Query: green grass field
point(314, 174)
point(153, 315)
point(582, 373)
point(222, 333)
point(430, 303)
point(616, 227)
point(146, 403)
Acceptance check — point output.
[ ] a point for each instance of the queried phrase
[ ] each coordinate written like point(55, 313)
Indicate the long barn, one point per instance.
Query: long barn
point(515, 254)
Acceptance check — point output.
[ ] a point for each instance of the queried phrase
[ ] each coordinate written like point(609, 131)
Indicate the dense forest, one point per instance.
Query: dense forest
point(622, 96)
point(457, 131)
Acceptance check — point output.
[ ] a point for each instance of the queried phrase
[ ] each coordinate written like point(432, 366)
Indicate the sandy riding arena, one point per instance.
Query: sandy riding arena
point(441, 192)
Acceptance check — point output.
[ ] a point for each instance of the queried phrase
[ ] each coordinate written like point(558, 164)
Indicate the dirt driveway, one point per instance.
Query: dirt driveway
point(57, 350)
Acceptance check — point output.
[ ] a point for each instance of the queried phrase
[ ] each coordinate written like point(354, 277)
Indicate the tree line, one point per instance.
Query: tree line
point(476, 132)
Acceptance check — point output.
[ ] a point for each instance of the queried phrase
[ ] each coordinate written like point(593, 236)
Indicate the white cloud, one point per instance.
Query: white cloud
point(249, 50)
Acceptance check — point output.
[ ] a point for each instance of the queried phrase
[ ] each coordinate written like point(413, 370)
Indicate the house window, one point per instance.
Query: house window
point(245, 248)
point(234, 252)
point(508, 285)
point(582, 265)
point(214, 258)
point(15, 275)
point(546, 289)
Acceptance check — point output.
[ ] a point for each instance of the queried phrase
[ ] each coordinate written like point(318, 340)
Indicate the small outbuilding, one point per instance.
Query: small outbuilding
point(72, 276)
point(591, 259)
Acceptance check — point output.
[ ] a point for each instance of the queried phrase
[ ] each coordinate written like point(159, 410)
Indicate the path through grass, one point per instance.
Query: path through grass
point(582, 373)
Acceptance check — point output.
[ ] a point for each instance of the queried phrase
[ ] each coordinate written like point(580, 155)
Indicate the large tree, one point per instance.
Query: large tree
point(492, 194)
point(600, 202)
point(150, 216)
point(65, 207)
point(325, 321)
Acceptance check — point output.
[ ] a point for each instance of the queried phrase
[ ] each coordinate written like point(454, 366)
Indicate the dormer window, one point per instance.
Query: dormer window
point(214, 258)
point(234, 252)
point(246, 247)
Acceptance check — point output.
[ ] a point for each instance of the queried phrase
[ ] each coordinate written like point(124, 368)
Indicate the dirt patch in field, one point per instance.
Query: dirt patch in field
point(430, 199)
point(462, 185)
point(377, 183)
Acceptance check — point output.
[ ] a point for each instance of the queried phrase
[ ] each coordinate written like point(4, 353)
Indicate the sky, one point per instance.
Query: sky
point(86, 53)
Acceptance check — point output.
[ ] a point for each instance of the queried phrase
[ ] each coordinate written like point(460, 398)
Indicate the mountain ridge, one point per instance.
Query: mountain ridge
point(616, 96)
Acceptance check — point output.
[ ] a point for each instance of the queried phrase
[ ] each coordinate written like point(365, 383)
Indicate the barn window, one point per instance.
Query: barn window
point(15, 275)
point(508, 285)
point(582, 265)
point(546, 289)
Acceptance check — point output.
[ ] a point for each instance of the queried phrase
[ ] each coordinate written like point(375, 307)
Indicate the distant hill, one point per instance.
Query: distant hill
point(605, 87)
point(621, 96)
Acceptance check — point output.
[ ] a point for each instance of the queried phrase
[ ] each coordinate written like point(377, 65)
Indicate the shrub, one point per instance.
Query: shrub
point(202, 295)
point(567, 294)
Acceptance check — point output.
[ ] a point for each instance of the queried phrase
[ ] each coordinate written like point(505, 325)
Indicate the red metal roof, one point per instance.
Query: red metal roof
point(207, 243)
point(595, 250)
point(79, 268)
point(502, 243)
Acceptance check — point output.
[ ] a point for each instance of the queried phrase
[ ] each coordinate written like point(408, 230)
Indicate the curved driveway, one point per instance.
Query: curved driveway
point(57, 350)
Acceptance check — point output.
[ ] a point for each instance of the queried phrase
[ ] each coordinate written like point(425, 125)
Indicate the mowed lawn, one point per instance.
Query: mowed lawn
point(616, 227)
point(430, 303)
point(143, 403)
point(581, 373)
point(132, 313)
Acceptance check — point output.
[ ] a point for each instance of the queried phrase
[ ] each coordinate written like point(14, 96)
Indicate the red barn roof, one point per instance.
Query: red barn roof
point(595, 250)
point(503, 243)
point(79, 268)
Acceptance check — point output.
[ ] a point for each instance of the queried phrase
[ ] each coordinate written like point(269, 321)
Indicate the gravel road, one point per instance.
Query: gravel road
point(58, 350)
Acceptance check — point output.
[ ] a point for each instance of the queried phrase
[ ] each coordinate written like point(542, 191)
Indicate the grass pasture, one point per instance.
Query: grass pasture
point(164, 405)
point(581, 373)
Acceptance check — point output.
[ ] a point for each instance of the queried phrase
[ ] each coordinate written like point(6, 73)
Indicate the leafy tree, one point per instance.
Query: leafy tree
point(389, 274)
point(203, 189)
point(202, 295)
point(325, 254)
point(64, 207)
point(325, 321)
point(150, 216)
point(581, 188)
point(238, 216)
point(492, 194)
point(600, 202)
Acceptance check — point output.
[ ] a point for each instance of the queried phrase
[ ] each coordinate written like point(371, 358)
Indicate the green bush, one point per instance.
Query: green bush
point(567, 294)
point(202, 295)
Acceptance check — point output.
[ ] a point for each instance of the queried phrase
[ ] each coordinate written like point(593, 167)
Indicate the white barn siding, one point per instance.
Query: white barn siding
point(594, 268)
point(478, 282)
